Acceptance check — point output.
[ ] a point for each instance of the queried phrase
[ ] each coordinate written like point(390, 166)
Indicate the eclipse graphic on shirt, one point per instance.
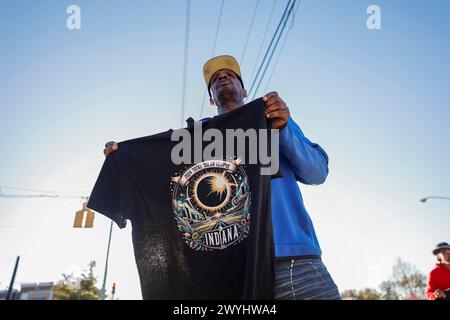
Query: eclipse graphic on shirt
point(211, 203)
point(212, 191)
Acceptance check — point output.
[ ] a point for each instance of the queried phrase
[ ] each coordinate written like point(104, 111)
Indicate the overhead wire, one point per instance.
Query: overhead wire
point(266, 31)
point(286, 17)
point(289, 28)
point(41, 194)
point(186, 50)
point(269, 48)
point(252, 21)
point(213, 51)
point(399, 217)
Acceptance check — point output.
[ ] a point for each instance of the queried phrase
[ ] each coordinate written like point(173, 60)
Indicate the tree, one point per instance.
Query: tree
point(388, 290)
point(82, 288)
point(364, 294)
point(407, 282)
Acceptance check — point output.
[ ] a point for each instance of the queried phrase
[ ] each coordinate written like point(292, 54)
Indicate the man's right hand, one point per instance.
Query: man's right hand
point(110, 147)
point(440, 294)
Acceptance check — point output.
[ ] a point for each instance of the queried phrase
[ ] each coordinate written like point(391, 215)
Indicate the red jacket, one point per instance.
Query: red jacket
point(439, 279)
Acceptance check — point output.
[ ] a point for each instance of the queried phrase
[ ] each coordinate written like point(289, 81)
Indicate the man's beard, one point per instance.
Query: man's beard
point(227, 92)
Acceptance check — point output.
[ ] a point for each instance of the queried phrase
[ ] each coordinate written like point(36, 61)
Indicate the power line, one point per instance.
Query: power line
point(399, 217)
point(78, 219)
point(264, 38)
point(241, 61)
point(276, 62)
point(43, 194)
point(186, 48)
point(269, 47)
point(412, 213)
point(289, 28)
point(219, 20)
point(363, 228)
point(24, 189)
point(40, 196)
point(274, 49)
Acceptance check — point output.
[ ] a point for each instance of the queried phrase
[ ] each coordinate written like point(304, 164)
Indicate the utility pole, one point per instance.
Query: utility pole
point(106, 263)
point(78, 223)
point(11, 284)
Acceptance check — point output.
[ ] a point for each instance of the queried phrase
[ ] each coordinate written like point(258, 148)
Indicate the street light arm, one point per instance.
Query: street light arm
point(423, 200)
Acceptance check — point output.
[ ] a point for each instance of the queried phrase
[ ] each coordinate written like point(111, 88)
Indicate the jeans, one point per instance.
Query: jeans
point(304, 279)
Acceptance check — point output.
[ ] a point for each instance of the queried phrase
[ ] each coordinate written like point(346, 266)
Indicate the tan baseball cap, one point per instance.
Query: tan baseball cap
point(220, 63)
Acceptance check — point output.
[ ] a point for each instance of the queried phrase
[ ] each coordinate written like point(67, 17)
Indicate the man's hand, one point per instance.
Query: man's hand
point(276, 109)
point(440, 294)
point(110, 147)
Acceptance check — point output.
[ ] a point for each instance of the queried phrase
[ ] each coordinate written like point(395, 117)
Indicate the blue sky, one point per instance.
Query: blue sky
point(376, 100)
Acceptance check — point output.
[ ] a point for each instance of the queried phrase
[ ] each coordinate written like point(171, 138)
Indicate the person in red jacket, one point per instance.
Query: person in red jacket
point(439, 279)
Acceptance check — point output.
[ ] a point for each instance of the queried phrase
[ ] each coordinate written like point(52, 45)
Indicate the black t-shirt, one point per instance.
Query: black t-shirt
point(200, 231)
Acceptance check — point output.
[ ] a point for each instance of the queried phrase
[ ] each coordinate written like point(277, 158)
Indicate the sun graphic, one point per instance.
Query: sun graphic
point(218, 184)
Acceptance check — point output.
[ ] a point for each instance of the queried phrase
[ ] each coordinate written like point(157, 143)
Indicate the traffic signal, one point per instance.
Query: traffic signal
point(89, 219)
point(79, 217)
point(113, 291)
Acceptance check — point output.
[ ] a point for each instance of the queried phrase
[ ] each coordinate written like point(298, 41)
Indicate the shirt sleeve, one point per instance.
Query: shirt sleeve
point(432, 286)
point(113, 194)
point(308, 160)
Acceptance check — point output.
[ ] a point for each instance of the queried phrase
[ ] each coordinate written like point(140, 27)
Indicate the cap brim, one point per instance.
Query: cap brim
point(436, 251)
point(220, 63)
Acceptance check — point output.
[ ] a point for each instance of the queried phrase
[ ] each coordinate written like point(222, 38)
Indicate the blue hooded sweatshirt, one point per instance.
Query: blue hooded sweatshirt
point(305, 162)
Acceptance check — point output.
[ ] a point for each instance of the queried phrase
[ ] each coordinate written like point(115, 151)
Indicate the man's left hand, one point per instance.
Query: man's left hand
point(276, 109)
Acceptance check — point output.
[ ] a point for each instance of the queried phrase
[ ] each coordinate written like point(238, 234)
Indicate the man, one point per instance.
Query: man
point(299, 271)
point(439, 278)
